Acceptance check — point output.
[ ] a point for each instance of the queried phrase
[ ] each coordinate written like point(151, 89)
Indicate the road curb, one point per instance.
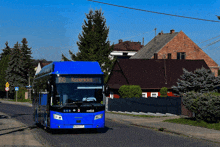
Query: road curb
point(16, 103)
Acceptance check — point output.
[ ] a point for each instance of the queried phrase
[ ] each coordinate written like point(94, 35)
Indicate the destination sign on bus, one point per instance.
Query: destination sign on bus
point(77, 80)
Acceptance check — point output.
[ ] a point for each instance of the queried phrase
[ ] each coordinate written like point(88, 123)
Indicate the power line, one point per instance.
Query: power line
point(214, 42)
point(154, 11)
point(209, 39)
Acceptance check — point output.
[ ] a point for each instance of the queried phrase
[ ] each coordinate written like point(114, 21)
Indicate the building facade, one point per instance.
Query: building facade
point(126, 49)
point(150, 74)
point(179, 45)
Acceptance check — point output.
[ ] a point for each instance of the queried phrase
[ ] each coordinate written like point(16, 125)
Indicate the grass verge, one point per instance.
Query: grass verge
point(18, 100)
point(194, 122)
point(136, 115)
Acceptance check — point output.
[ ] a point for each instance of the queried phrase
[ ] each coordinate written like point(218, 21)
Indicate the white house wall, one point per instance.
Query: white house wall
point(38, 69)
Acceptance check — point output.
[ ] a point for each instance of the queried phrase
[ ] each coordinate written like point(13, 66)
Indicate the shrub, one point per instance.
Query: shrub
point(205, 106)
point(163, 92)
point(129, 91)
point(21, 93)
point(208, 108)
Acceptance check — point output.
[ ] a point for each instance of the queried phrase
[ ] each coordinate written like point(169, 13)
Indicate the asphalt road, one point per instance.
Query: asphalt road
point(114, 134)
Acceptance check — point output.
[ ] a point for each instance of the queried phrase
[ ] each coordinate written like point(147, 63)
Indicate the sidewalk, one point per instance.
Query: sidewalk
point(156, 123)
point(14, 133)
point(148, 122)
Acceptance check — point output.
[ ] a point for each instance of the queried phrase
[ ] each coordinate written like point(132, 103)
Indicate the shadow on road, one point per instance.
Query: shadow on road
point(17, 115)
point(17, 130)
point(79, 131)
point(3, 117)
point(75, 131)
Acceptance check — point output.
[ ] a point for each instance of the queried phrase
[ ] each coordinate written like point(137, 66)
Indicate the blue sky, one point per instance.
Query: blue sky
point(52, 27)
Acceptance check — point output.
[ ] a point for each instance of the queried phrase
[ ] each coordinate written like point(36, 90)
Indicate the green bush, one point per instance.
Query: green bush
point(208, 108)
point(163, 92)
point(205, 106)
point(130, 91)
point(21, 93)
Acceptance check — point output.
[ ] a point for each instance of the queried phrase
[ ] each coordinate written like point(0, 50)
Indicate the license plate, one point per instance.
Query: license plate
point(79, 126)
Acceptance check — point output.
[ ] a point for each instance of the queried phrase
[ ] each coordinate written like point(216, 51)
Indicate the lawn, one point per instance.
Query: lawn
point(18, 100)
point(194, 122)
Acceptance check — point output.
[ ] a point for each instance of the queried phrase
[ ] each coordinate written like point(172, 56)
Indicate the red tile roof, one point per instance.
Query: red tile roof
point(127, 46)
point(150, 73)
point(44, 64)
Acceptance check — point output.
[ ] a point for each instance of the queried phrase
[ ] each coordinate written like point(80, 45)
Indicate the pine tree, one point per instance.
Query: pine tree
point(27, 60)
point(14, 73)
point(93, 44)
point(202, 81)
point(6, 51)
point(3, 64)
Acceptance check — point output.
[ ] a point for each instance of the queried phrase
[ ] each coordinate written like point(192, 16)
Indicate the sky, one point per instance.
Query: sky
point(51, 27)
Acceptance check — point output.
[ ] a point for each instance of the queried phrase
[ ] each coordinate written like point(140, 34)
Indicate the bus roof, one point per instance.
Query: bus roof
point(72, 67)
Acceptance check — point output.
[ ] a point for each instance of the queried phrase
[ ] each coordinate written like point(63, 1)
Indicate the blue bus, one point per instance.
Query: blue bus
point(69, 95)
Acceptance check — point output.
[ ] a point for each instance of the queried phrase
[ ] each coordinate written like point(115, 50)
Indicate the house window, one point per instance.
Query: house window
point(125, 54)
point(181, 55)
point(144, 95)
point(154, 94)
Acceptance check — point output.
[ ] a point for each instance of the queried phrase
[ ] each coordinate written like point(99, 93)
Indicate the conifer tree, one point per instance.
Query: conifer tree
point(15, 71)
point(202, 81)
point(3, 64)
point(27, 60)
point(93, 44)
point(6, 50)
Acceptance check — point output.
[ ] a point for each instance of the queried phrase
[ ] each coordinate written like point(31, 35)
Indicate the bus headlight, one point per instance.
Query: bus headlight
point(56, 116)
point(98, 116)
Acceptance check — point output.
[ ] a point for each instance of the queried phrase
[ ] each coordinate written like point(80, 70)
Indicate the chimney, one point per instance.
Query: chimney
point(120, 41)
point(143, 41)
point(172, 31)
point(169, 55)
point(155, 55)
point(161, 33)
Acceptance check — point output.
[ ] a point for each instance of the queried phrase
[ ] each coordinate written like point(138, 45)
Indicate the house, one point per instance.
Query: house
point(40, 66)
point(150, 74)
point(178, 45)
point(125, 49)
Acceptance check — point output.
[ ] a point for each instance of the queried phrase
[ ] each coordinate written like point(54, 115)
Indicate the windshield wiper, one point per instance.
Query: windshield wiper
point(74, 102)
point(89, 101)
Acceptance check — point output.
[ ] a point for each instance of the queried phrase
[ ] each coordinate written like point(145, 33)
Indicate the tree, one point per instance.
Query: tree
point(3, 64)
point(163, 92)
point(202, 81)
point(6, 51)
point(15, 71)
point(93, 44)
point(27, 59)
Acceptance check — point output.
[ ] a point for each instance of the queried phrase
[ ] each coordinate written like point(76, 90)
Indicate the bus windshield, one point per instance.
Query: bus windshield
point(71, 93)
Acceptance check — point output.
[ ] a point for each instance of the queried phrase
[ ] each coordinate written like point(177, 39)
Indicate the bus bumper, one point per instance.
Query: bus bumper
point(78, 121)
